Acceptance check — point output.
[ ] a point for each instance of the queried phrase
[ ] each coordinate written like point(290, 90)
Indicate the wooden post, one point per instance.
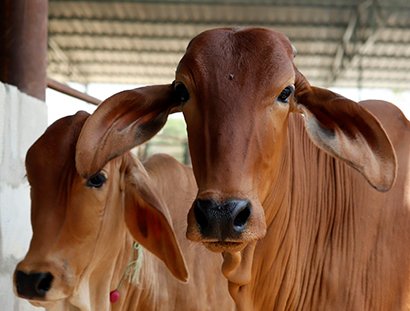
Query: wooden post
point(23, 45)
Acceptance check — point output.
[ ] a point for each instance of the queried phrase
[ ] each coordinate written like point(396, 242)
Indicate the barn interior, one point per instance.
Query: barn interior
point(91, 49)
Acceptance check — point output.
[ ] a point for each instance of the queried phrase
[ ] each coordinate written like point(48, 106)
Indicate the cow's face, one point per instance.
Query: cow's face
point(78, 223)
point(67, 216)
point(238, 91)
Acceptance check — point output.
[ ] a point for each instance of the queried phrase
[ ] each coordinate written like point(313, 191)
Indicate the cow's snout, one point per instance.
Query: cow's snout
point(222, 220)
point(33, 285)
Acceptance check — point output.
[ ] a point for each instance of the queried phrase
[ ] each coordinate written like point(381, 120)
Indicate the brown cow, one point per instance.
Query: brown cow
point(81, 246)
point(280, 166)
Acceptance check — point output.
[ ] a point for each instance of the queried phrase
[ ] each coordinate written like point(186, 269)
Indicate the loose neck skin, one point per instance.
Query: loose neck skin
point(106, 273)
point(113, 250)
point(246, 269)
point(310, 255)
point(279, 258)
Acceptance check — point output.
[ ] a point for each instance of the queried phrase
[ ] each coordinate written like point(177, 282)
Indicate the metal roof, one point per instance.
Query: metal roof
point(339, 42)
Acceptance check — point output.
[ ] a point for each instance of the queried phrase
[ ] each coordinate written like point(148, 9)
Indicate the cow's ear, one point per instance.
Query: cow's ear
point(121, 122)
point(149, 222)
point(347, 131)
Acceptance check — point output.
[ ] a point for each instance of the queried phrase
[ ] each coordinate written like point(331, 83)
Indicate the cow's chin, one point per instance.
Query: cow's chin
point(46, 304)
point(221, 246)
point(53, 298)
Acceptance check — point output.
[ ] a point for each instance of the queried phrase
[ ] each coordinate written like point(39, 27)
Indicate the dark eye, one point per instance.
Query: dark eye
point(285, 94)
point(96, 181)
point(181, 92)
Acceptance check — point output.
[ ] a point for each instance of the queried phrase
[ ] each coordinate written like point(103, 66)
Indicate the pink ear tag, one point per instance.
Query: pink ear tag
point(131, 271)
point(114, 296)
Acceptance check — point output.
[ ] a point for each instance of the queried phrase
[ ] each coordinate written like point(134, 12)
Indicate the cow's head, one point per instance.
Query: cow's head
point(78, 224)
point(237, 89)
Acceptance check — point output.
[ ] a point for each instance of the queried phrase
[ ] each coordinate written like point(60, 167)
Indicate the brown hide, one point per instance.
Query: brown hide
point(324, 180)
point(80, 236)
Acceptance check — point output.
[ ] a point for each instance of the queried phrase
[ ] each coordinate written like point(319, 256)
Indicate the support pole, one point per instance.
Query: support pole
point(66, 89)
point(23, 45)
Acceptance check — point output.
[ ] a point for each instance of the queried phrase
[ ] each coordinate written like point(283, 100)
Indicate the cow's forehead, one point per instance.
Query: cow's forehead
point(55, 149)
point(252, 52)
point(240, 42)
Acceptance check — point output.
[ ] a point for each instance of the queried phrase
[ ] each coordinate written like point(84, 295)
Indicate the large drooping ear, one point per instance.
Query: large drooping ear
point(149, 222)
point(347, 131)
point(121, 122)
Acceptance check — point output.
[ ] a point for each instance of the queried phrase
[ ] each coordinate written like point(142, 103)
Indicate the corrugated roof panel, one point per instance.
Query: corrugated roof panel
point(128, 39)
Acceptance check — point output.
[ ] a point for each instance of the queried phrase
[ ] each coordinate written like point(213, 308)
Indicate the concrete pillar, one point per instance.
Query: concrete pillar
point(23, 45)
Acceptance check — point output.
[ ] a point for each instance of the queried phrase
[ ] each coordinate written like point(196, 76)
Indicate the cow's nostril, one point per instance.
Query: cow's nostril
point(200, 214)
point(242, 217)
point(44, 283)
point(33, 285)
point(222, 220)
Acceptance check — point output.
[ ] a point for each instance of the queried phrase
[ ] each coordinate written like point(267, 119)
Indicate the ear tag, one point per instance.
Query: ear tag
point(114, 296)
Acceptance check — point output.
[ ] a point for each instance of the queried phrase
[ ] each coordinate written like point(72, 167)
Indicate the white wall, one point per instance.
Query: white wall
point(401, 99)
point(22, 120)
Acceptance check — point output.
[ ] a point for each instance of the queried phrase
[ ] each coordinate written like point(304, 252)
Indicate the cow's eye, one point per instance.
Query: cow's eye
point(181, 92)
point(285, 94)
point(97, 180)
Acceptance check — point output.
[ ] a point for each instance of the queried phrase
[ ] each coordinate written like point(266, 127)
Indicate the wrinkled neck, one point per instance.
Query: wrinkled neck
point(112, 249)
point(311, 212)
point(243, 269)
point(274, 178)
point(104, 275)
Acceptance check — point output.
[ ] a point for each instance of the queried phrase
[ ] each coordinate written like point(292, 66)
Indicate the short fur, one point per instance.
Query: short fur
point(327, 178)
point(80, 236)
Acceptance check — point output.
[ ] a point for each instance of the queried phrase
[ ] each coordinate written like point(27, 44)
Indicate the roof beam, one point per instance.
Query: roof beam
point(137, 77)
point(183, 22)
point(282, 3)
point(342, 48)
point(166, 66)
point(346, 42)
point(74, 72)
point(179, 53)
point(343, 61)
point(325, 4)
point(89, 35)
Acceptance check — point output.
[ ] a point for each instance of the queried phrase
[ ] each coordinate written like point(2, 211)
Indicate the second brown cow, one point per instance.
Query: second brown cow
point(81, 247)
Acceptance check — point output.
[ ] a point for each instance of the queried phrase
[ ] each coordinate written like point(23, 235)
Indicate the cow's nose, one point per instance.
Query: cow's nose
point(222, 221)
point(33, 285)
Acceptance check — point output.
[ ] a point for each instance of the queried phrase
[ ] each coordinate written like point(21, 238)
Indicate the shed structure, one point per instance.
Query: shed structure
point(340, 43)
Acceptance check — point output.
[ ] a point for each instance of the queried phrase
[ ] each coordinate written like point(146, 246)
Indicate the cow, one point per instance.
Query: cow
point(83, 257)
point(304, 192)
